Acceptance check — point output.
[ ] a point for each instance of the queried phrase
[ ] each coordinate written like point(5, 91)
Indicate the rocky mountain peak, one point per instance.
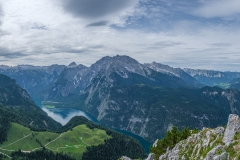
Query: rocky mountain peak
point(119, 64)
point(72, 65)
point(178, 72)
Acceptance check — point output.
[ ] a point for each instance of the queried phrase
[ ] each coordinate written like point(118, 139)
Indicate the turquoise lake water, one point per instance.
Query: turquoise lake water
point(63, 115)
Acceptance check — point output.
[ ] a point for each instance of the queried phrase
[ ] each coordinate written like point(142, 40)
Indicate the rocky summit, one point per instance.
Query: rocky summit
point(208, 144)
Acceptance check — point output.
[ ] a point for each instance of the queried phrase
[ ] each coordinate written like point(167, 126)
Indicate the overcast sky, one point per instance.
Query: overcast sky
point(181, 33)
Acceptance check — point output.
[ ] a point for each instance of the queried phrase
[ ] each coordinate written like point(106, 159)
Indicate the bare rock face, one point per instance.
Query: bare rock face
point(217, 153)
point(233, 126)
point(150, 157)
point(125, 158)
point(207, 144)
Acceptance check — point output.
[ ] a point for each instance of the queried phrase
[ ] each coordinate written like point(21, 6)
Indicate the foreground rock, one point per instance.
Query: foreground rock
point(208, 144)
point(233, 126)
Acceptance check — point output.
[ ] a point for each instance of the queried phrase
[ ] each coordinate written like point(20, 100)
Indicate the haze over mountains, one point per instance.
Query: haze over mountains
point(145, 99)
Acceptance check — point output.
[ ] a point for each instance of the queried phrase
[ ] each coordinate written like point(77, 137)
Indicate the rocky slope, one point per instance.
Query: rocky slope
point(178, 72)
point(124, 94)
point(67, 83)
point(16, 100)
point(208, 144)
point(109, 71)
point(33, 78)
point(212, 78)
point(235, 83)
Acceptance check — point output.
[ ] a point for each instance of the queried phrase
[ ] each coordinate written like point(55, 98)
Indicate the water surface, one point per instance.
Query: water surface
point(63, 116)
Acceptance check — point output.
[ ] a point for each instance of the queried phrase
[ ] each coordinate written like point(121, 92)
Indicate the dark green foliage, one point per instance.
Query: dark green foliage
point(40, 155)
point(113, 148)
point(2, 157)
point(15, 99)
point(4, 126)
point(6, 117)
point(235, 83)
point(79, 120)
point(172, 138)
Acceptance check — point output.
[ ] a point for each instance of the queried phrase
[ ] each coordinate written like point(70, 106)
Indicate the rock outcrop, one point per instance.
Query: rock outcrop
point(217, 153)
point(208, 144)
point(233, 126)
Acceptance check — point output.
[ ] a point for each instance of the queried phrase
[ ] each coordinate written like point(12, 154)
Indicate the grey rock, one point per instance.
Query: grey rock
point(155, 143)
point(233, 126)
point(178, 72)
point(150, 157)
point(125, 158)
point(217, 153)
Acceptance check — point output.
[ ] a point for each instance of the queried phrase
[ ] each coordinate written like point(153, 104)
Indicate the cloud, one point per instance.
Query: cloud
point(94, 9)
point(167, 43)
point(7, 54)
point(221, 44)
point(218, 8)
point(1, 13)
point(98, 24)
point(45, 32)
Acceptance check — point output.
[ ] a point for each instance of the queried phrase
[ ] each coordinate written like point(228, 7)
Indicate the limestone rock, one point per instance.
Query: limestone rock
point(233, 126)
point(155, 143)
point(217, 153)
point(125, 158)
point(150, 157)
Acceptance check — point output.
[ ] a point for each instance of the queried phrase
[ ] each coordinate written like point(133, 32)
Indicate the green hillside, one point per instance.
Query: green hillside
point(78, 138)
point(16, 100)
point(72, 142)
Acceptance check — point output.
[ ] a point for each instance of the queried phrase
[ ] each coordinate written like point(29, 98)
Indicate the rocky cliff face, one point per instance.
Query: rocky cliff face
point(209, 144)
point(210, 77)
point(33, 78)
point(178, 72)
point(125, 94)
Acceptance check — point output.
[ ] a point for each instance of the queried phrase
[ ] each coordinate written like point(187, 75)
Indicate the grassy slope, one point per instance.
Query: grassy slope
point(72, 142)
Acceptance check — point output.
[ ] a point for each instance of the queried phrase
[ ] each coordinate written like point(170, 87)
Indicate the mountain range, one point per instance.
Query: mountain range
point(27, 132)
point(145, 99)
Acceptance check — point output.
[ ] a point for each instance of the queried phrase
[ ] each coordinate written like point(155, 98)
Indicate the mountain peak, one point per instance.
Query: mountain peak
point(72, 64)
point(119, 64)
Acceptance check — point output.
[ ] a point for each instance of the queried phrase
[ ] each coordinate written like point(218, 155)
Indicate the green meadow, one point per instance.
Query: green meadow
point(72, 142)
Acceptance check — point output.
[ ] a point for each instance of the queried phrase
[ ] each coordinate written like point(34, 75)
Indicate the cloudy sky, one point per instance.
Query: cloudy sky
point(182, 33)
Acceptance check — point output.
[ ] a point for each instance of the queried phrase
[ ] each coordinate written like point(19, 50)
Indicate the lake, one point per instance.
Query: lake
point(63, 115)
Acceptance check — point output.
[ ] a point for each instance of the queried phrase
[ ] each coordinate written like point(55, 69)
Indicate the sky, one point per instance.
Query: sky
point(199, 34)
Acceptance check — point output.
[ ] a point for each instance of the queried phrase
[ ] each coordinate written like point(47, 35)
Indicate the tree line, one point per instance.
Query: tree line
point(172, 138)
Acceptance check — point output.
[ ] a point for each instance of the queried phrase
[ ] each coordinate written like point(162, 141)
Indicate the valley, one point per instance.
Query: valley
point(72, 142)
point(143, 101)
point(63, 115)
point(119, 80)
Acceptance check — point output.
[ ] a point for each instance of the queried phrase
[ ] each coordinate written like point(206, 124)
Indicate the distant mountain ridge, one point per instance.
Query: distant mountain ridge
point(33, 78)
point(178, 72)
point(211, 77)
point(125, 94)
point(73, 80)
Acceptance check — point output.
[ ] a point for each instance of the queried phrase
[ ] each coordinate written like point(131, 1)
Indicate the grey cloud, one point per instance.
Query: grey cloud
point(98, 24)
point(1, 14)
point(69, 49)
point(164, 44)
point(221, 44)
point(218, 8)
point(92, 9)
point(5, 53)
